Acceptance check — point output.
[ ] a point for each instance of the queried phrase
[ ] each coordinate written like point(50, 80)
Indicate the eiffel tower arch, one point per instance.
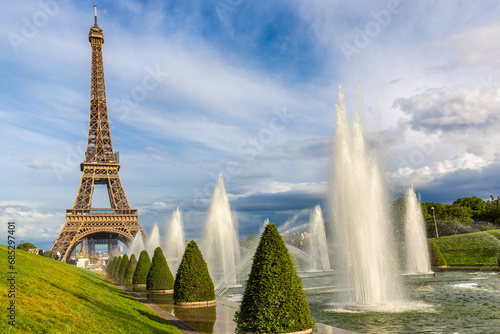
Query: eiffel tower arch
point(100, 167)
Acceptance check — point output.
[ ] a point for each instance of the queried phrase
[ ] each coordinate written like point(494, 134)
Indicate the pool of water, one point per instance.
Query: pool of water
point(451, 302)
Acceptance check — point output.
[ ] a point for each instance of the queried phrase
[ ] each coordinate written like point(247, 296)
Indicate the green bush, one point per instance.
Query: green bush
point(129, 273)
point(116, 269)
point(193, 282)
point(437, 258)
point(159, 276)
point(47, 253)
point(25, 246)
point(142, 268)
point(123, 267)
point(273, 301)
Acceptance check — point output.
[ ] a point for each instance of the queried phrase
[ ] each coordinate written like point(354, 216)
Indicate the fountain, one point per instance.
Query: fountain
point(175, 240)
point(360, 218)
point(417, 250)
point(136, 246)
point(318, 249)
point(153, 241)
point(220, 243)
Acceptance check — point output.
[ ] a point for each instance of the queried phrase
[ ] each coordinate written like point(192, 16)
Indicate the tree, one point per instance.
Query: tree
point(437, 259)
point(450, 218)
point(25, 246)
point(142, 268)
point(192, 281)
point(492, 212)
point(159, 276)
point(249, 241)
point(129, 273)
point(116, 269)
point(123, 267)
point(273, 301)
point(476, 205)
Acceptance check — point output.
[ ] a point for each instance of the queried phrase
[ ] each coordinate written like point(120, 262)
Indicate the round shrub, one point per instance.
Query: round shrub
point(129, 272)
point(437, 258)
point(273, 301)
point(159, 276)
point(116, 269)
point(192, 281)
point(123, 267)
point(142, 268)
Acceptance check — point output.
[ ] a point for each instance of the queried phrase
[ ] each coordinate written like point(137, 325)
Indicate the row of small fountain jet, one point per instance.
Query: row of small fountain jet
point(360, 221)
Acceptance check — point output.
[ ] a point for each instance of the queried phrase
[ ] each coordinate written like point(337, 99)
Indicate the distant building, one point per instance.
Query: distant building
point(37, 251)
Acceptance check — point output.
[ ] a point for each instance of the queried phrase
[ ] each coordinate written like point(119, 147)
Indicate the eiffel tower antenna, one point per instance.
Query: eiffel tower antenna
point(95, 15)
point(101, 165)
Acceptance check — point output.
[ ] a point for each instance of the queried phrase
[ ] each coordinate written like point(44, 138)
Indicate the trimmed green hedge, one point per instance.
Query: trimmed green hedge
point(192, 281)
point(437, 259)
point(142, 268)
point(274, 301)
point(129, 272)
point(159, 276)
point(123, 267)
point(471, 249)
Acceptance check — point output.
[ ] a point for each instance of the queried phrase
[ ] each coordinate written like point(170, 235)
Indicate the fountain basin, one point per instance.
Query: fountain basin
point(369, 308)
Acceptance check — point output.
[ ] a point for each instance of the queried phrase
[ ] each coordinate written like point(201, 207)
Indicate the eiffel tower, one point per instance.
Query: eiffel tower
point(101, 166)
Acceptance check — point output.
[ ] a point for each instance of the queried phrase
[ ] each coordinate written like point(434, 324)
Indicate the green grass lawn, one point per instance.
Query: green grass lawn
point(472, 249)
point(54, 297)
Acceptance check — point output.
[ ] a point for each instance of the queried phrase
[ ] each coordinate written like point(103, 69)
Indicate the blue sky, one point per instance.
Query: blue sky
point(247, 89)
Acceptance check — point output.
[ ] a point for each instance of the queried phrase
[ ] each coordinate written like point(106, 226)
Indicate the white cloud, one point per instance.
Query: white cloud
point(425, 175)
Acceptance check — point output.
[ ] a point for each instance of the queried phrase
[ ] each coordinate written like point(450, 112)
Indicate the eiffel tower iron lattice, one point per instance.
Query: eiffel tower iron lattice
point(101, 166)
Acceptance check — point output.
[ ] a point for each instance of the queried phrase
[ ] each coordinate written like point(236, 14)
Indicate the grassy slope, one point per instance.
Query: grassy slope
point(53, 297)
point(472, 249)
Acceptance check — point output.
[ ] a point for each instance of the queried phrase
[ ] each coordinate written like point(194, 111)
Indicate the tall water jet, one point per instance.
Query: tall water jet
point(136, 246)
point(317, 248)
point(153, 241)
point(175, 240)
point(417, 250)
point(220, 243)
point(360, 219)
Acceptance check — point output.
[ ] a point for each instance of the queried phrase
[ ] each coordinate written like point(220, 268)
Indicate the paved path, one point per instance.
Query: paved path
point(185, 329)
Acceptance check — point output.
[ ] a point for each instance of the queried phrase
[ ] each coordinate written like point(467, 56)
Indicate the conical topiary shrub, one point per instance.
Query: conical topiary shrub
point(159, 276)
point(129, 272)
point(123, 267)
point(142, 268)
point(273, 301)
point(111, 266)
point(437, 258)
point(116, 269)
point(192, 281)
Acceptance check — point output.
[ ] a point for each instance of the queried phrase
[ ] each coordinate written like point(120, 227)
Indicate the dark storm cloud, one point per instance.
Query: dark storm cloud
point(291, 200)
point(463, 183)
